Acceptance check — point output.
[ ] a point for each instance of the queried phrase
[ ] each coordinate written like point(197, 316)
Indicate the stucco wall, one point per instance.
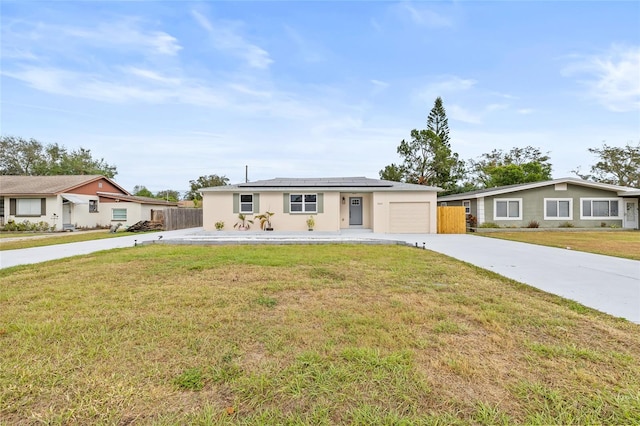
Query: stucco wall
point(218, 206)
point(381, 200)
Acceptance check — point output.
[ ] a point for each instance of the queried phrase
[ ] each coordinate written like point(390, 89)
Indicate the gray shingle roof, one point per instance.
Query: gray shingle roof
point(361, 184)
point(137, 199)
point(43, 185)
point(524, 186)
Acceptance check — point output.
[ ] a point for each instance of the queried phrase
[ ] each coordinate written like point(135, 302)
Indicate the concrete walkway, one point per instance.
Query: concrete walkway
point(605, 283)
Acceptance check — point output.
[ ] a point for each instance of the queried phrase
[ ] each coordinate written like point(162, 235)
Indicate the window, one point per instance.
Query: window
point(246, 203)
point(118, 214)
point(599, 208)
point(507, 209)
point(303, 203)
point(558, 208)
point(29, 207)
point(467, 206)
point(93, 206)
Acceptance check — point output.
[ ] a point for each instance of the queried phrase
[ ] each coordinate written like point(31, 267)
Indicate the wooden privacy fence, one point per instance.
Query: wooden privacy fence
point(177, 218)
point(451, 220)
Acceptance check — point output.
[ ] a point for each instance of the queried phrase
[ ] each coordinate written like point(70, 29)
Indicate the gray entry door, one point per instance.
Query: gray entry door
point(355, 210)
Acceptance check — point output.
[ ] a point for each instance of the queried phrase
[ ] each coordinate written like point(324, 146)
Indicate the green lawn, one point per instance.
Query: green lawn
point(624, 244)
point(316, 334)
point(28, 240)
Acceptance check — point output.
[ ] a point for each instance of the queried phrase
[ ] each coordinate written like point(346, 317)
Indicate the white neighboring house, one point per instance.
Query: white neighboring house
point(72, 201)
point(335, 204)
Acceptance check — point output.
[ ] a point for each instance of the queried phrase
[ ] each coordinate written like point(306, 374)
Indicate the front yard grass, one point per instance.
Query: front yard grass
point(624, 244)
point(317, 334)
point(39, 240)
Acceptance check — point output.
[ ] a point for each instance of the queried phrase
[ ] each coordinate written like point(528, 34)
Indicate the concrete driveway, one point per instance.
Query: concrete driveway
point(605, 283)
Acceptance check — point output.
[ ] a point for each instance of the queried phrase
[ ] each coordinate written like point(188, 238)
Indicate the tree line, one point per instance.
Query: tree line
point(426, 159)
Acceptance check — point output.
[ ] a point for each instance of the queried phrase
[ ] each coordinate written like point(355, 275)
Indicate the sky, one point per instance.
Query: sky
point(168, 91)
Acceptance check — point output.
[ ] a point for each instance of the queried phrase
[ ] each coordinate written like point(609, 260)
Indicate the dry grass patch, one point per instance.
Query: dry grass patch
point(624, 244)
point(302, 334)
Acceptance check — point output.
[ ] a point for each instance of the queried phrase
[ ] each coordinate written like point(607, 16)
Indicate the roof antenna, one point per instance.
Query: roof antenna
point(246, 174)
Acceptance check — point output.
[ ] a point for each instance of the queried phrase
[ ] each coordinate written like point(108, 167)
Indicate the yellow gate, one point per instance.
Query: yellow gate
point(451, 220)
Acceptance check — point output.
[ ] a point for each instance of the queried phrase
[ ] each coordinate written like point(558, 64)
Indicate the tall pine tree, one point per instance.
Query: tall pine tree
point(427, 157)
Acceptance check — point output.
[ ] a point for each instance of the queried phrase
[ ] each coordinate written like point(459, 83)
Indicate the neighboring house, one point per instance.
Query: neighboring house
point(552, 203)
point(71, 201)
point(335, 203)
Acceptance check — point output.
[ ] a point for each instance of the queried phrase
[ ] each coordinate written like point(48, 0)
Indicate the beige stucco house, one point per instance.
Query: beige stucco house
point(72, 201)
point(334, 203)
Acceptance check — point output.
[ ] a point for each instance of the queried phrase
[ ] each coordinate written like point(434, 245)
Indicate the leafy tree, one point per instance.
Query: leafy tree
point(142, 191)
point(19, 156)
point(427, 157)
point(519, 165)
point(204, 182)
point(168, 195)
point(392, 172)
point(616, 165)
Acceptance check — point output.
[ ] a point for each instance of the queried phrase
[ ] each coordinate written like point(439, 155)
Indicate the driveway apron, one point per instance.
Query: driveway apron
point(608, 284)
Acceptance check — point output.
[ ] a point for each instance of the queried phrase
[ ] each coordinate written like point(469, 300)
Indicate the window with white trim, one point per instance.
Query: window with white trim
point(599, 208)
point(28, 207)
point(93, 206)
point(246, 203)
point(507, 209)
point(303, 203)
point(118, 214)
point(558, 208)
point(467, 206)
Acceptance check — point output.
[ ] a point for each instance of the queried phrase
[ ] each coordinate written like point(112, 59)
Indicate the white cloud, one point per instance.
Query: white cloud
point(225, 37)
point(421, 15)
point(612, 78)
point(444, 85)
point(153, 76)
point(307, 49)
point(459, 113)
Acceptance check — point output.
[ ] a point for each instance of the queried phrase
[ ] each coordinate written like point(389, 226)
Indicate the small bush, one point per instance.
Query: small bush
point(533, 224)
point(566, 225)
point(27, 226)
point(489, 225)
point(219, 225)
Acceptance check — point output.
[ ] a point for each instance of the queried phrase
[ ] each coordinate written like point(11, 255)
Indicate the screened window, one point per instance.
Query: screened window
point(303, 203)
point(507, 209)
point(246, 203)
point(467, 206)
point(118, 214)
point(558, 208)
point(600, 208)
point(28, 207)
point(93, 206)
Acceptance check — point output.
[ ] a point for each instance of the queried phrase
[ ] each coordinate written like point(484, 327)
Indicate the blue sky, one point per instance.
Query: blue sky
point(172, 90)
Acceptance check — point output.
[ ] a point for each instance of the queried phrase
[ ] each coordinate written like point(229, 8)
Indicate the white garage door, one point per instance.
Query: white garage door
point(409, 218)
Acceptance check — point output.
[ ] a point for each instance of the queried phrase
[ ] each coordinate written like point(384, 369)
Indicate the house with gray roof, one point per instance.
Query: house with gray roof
point(335, 204)
point(70, 201)
point(552, 204)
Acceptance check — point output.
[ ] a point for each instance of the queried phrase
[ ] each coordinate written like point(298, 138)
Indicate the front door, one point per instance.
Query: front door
point(355, 211)
point(66, 213)
point(630, 220)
